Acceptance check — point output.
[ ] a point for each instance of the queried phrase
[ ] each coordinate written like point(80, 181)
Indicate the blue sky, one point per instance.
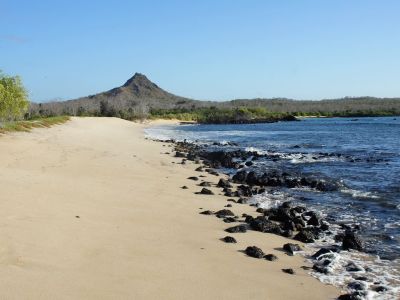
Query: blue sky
point(209, 49)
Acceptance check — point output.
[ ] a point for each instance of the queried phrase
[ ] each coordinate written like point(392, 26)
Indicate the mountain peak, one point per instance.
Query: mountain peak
point(138, 80)
point(139, 86)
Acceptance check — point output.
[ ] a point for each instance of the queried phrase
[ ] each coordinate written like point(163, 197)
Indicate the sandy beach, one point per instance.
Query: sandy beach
point(92, 210)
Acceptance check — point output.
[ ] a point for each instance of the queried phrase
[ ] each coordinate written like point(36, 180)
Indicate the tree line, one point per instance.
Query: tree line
point(235, 111)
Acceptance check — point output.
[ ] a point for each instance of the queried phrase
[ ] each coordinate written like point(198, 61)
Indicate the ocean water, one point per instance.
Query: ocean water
point(361, 155)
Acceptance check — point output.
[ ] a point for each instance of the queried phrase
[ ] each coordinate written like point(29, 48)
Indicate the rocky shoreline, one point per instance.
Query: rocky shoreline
point(289, 220)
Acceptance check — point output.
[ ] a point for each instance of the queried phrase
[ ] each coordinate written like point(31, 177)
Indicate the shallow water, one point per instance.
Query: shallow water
point(361, 155)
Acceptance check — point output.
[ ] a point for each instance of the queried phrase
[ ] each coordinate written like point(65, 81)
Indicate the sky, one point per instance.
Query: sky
point(206, 50)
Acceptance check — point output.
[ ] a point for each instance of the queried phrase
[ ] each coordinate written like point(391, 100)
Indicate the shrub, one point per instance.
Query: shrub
point(13, 98)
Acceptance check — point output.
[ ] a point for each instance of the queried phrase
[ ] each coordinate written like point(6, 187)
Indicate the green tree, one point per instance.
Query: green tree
point(13, 98)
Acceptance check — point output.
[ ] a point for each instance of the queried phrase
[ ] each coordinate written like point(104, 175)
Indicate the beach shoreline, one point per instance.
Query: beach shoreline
point(91, 209)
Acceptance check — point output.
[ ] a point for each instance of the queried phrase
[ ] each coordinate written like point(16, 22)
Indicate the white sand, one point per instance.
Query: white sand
point(138, 235)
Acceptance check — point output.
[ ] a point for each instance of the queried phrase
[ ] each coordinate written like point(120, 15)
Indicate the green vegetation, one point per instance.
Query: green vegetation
point(344, 107)
point(214, 114)
point(13, 98)
point(349, 113)
point(138, 112)
point(27, 125)
point(217, 115)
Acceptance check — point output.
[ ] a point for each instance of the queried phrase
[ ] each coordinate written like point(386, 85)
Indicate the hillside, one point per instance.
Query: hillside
point(139, 97)
point(137, 94)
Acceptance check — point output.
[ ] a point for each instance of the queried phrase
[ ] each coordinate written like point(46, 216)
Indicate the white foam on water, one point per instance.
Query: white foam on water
point(296, 158)
point(359, 194)
point(299, 158)
point(270, 199)
point(162, 133)
point(167, 132)
point(379, 272)
point(257, 150)
point(392, 225)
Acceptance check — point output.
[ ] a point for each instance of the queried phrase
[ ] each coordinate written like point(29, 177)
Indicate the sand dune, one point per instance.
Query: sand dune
point(92, 210)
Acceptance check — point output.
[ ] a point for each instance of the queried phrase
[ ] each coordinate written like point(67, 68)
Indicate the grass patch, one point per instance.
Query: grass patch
point(35, 123)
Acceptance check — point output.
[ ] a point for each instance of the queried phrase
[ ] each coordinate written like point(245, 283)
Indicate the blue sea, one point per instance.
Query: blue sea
point(361, 155)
